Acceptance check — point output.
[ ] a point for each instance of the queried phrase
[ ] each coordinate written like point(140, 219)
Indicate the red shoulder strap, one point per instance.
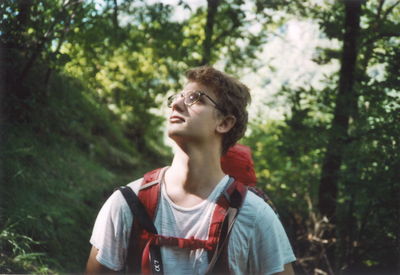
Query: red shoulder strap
point(148, 195)
point(149, 192)
point(232, 197)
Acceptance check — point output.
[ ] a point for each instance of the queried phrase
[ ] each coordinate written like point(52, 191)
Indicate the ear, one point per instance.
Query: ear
point(226, 124)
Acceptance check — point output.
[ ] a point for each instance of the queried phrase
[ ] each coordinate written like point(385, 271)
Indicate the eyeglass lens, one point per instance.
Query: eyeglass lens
point(192, 98)
point(189, 98)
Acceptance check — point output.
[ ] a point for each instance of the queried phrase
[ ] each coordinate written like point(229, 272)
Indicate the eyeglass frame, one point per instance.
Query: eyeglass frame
point(173, 97)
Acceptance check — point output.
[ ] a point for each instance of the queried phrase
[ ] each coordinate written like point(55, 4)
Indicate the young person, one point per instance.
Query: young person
point(206, 119)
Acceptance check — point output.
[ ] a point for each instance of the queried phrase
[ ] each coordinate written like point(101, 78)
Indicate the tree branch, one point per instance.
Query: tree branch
point(225, 33)
point(389, 10)
point(379, 20)
point(63, 35)
point(42, 41)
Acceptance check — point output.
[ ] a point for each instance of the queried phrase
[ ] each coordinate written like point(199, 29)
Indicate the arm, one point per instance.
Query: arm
point(270, 250)
point(94, 267)
point(288, 270)
point(109, 236)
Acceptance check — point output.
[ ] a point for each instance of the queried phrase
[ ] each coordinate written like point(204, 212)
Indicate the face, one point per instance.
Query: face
point(197, 122)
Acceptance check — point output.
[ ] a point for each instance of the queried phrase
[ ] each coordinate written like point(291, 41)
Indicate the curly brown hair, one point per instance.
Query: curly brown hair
point(233, 98)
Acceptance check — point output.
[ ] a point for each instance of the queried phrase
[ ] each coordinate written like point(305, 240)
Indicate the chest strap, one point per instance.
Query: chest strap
point(191, 243)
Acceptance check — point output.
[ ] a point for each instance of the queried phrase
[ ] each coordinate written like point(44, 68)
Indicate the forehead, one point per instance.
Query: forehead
point(196, 86)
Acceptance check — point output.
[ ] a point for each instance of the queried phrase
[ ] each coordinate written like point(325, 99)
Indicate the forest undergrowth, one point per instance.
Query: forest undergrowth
point(63, 158)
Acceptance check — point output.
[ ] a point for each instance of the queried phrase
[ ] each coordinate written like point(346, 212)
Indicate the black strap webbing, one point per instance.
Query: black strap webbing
point(138, 210)
point(144, 221)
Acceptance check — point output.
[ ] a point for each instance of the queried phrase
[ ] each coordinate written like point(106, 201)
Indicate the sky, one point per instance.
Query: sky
point(287, 59)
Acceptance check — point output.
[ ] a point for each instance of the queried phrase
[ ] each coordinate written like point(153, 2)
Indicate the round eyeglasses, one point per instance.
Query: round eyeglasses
point(191, 98)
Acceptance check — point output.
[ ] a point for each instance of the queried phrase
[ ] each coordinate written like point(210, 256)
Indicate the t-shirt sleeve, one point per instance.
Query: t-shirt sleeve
point(269, 245)
point(111, 232)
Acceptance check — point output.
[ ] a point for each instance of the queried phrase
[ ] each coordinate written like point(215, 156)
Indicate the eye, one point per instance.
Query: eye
point(192, 97)
point(172, 98)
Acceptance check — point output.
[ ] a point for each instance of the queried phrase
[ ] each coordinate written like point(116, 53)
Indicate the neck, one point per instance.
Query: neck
point(194, 171)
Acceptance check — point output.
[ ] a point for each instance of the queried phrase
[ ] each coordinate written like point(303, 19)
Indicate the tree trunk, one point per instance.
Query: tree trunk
point(346, 101)
point(115, 15)
point(212, 6)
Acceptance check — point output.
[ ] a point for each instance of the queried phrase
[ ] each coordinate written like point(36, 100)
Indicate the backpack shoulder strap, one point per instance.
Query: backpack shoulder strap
point(138, 209)
point(144, 204)
point(143, 207)
point(149, 192)
point(224, 217)
point(232, 197)
point(235, 194)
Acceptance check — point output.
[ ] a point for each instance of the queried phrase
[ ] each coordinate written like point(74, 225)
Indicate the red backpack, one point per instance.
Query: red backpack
point(144, 254)
point(238, 163)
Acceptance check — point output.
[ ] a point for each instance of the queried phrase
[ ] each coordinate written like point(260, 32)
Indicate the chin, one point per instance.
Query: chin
point(173, 133)
point(180, 135)
point(173, 130)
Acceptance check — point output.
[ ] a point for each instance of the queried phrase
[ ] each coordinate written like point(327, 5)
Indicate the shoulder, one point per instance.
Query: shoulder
point(112, 229)
point(116, 204)
point(269, 247)
point(255, 208)
point(255, 216)
point(254, 224)
point(135, 185)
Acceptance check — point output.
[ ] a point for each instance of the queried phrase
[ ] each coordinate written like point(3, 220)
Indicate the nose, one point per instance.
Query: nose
point(178, 103)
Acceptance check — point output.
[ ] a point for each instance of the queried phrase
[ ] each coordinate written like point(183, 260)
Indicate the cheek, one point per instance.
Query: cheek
point(204, 119)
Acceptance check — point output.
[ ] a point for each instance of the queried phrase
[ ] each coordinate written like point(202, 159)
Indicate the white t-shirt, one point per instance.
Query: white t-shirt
point(257, 245)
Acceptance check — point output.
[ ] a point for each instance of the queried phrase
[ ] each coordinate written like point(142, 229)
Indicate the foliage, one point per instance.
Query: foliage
point(287, 155)
point(62, 155)
point(17, 255)
point(63, 149)
point(370, 155)
point(82, 84)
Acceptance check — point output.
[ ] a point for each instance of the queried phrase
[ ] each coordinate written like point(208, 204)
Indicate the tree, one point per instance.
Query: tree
point(345, 104)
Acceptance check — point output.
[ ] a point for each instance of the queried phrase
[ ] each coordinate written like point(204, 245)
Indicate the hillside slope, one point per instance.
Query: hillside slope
point(63, 153)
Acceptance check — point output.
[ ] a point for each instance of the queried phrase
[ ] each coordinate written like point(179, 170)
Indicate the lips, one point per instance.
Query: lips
point(176, 118)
